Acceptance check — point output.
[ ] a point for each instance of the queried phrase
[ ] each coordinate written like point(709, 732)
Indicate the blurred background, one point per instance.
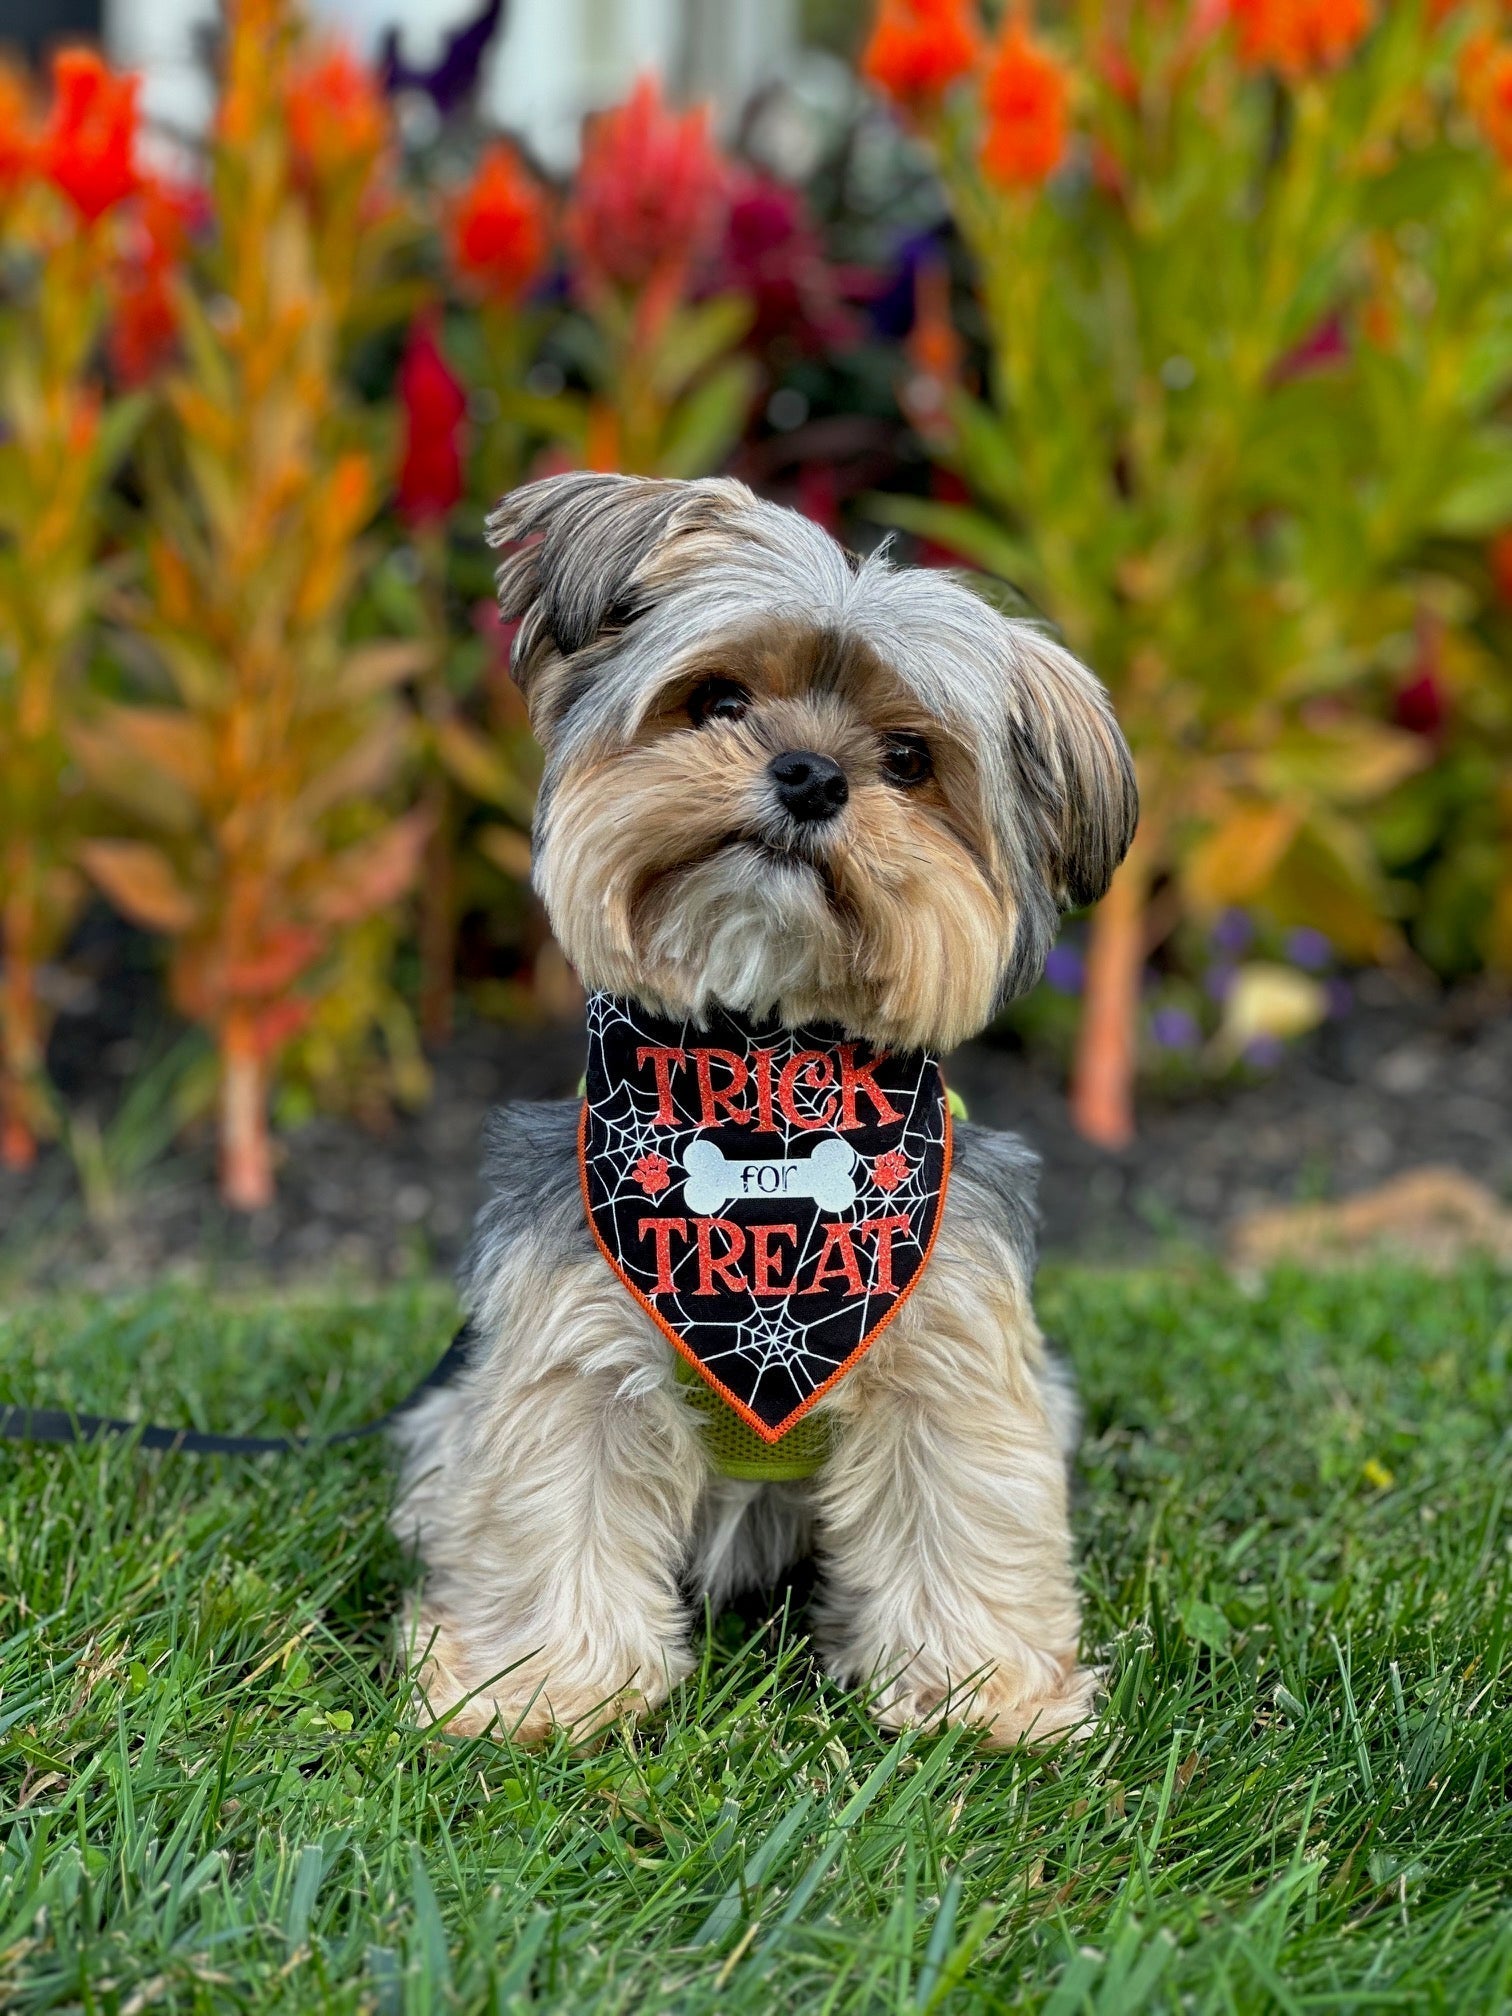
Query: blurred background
point(1184, 326)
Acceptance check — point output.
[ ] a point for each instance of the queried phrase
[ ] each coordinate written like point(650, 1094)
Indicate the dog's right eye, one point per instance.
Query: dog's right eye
point(718, 700)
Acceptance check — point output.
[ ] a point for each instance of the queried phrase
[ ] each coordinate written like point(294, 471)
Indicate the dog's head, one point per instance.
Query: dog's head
point(778, 780)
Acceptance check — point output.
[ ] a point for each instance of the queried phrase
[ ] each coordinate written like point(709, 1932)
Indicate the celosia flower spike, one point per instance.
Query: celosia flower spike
point(435, 406)
point(17, 144)
point(88, 149)
point(919, 48)
point(337, 115)
point(498, 227)
point(1298, 37)
point(1024, 103)
point(1486, 80)
point(651, 191)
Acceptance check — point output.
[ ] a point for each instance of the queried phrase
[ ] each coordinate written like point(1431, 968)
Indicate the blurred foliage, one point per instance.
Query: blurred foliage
point(1247, 289)
point(62, 235)
point(260, 758)
point(1193, 324)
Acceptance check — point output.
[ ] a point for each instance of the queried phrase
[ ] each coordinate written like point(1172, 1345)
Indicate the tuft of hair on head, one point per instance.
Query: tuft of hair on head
point(586, 547)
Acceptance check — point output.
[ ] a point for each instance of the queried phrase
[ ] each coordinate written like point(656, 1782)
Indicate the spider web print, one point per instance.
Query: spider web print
point(769, 1196)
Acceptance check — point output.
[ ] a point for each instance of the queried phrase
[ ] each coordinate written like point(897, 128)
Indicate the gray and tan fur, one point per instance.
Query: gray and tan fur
point(559, 1492)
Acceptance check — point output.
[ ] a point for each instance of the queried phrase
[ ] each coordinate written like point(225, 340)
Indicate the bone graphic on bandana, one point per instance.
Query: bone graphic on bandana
point(825, 1175)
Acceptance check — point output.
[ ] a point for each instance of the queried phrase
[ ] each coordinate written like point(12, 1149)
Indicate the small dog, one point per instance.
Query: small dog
point(785, 791)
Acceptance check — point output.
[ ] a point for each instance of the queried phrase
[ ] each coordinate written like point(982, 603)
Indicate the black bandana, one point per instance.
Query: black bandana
point(769, 1196)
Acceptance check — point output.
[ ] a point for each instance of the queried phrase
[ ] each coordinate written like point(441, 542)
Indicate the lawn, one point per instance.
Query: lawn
point(1294, 1512)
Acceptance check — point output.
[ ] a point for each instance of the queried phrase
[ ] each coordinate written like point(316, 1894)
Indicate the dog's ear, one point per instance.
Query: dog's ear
point(1074, 766)
point(589, 553)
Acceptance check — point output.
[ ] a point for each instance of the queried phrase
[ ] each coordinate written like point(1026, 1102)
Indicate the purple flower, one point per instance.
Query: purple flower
point(1218, 981)
point(1175, 1029)
point(1233, 932)
point(1264, 1052)
point(1308, 949)
point(1065, 969)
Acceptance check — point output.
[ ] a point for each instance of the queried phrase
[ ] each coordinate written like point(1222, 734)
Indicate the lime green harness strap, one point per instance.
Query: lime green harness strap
point(738, 1451)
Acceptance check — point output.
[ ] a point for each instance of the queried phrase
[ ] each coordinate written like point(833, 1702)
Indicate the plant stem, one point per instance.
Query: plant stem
point(20, 1036)
point(1102, 1077)
point(246, 1153)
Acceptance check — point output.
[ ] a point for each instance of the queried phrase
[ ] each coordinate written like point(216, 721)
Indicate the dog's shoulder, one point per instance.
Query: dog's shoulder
point(530, 1175)
point(996, 1176)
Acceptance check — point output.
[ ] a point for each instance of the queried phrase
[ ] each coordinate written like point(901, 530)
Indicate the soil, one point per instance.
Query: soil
point(1411, 1076)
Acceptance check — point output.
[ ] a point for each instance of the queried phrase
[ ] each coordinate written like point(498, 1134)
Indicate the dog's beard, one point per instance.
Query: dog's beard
point(675, 882)
point(752, 928)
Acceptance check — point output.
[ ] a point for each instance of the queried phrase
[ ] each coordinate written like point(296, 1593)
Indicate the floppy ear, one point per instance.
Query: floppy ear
point(591, 564)
point(1075, 766)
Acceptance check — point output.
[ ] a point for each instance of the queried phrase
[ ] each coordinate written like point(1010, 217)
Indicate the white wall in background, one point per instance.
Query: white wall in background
point(554, 61)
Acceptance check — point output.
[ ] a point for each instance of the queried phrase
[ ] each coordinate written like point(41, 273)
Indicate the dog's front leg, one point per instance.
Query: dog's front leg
point(552, 1513)
point(944, 1535)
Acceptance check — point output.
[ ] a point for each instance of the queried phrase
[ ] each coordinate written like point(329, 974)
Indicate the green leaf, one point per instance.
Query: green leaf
point(708, 422)
point(1478, 500)
point(695, 337)
point(961, 530)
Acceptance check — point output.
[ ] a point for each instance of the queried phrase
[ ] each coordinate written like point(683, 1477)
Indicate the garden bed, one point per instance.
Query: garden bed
point(1405, 1079)
point(1293, 1523)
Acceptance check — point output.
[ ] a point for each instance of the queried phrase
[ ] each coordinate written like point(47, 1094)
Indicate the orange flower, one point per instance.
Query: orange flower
point(88, 147)
point(1486, 79)
point(650, 194)
point(499, 227)
point(1024, 98)
point(1297, 36)
point(338, 117)
point(17, 146)
point(919, 48)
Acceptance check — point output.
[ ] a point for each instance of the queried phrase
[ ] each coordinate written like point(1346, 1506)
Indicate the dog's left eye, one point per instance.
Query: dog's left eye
point(906, 761)
point(718, 700)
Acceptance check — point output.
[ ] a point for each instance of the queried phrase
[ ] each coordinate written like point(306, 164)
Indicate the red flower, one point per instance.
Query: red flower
point(1298, 36)
point(18, 147)
point(89, 145)
point(889, 1170)
point(650, 192)
point(1024, 98)
point(651, 1172)
point(499, 227)
point(772, 253)
point(337, 116)
point(145, 322)
point(435, 405)
point(1486, 79)
point(919, 48)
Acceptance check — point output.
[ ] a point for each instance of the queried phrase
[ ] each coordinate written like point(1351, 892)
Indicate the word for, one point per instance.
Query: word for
point(713, 1181)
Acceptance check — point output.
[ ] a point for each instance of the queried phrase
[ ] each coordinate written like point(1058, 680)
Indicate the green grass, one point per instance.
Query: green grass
point(1297, 1565)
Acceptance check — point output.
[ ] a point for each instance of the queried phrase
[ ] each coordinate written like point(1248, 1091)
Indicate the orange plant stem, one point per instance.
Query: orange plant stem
point(1102, 1076)
point(246, 1152)
point(20, 1036)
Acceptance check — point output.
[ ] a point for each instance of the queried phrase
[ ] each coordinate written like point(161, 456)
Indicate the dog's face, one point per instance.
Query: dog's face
point(780, 782)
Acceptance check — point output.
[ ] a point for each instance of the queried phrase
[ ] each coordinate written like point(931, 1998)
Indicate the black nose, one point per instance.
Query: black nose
point(811, 787)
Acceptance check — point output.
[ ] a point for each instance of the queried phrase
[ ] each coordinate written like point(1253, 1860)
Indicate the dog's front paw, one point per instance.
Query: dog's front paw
point(1004, 1704)
point(529, 1701)
point(1067, 1709)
